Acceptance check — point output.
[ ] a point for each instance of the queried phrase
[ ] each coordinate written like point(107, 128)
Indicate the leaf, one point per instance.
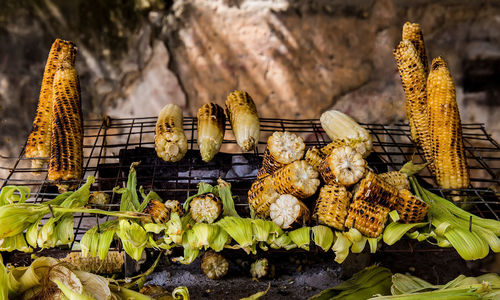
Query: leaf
point(8, 196)
point(224, 192)
point(258, 295)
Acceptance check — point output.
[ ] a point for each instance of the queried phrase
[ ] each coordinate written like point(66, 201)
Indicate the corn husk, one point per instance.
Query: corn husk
point(133, 238)
point(14, 194)
point(341, 247)
point(240, 230)
point(283, 242)
point(323, 236)
point(395, 231)
point(204, 234)
point(16, 242)
point(301, 237)
point(15, 218)
point(4, 281)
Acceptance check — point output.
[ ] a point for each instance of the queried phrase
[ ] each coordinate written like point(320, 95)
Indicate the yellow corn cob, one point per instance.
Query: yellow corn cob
point(374, 190)
point(366, 217)
point(170, 140)
point(413, 79)
point(205, 208)
point(214, 265)
point(283, 148)
point(66, 146)
point(344, 166)
point(410, 208)
point(287, 210)
point(357, 145)
point(211, 127)
point(450, 165)
point(261, 195)
point(158, 211)
point(298, 179)
point(268, 164)
point(314, 157)
point(244, 119)
point(331, 206)
point(175, 207)
point(38, 144)
point(396, 179)
point(413, 33)
point(112, 264)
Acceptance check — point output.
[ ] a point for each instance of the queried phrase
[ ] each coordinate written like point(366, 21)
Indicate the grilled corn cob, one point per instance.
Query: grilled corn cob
point(66, 146)
point(283, 148)
point(298, 179)
point(413, 33)
point(214, 265)
point(259, 268)
point(205, 208)
point(314, 157)
point(38, 144)
point(331, 206)
point(397, 179)
point(112, 264)
point(344, 166)
point(170, 140)
point(99, 198)
point(339, 126)
point(450, 165)
point(175, 207)
point(288, 210)
point(211, 127)
point(244, 119)
point(261, 195)
point(366, 217)
point(357, 145)
point(410, 208)
point(158, 211)
point(376, 191)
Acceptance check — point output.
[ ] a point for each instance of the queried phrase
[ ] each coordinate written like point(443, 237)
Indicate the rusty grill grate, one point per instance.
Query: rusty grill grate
point(110, 145)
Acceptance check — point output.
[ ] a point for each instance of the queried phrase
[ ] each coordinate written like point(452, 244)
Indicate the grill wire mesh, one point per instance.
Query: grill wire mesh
point(110, 145)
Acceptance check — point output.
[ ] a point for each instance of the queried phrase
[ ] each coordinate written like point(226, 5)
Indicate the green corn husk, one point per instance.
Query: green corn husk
point(323, 236)
point(204, 234)
point(264, 230)
point(405, 284)
point(180, 293)
point(357, 239)
point(133, 238)
point(341, 247)
point(395, 231)
point(283, 241)
point(4, 281)
point(15, 218)
point(476, 291)
point(240, 230)
point(258, 295)
point(14, 194)
point(124, 293)
point(70, 293)
point(358, 247)
point(373, 243)
point(16, 242)
point(223, 190)
point(221, 239)
point(47, 237)
point(64, 230)
point(301, 237)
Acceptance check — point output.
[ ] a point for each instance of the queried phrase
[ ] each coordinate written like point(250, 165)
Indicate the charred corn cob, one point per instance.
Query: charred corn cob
point(66, 146)
point(288, 210)
point(205, 208)
point(343, 166)
point(158, 211)
point(259, 268)
point(211, 127)
point(175, 207)
point(413, 33)
point(397, 179)
point(314, 157)
point(340, 127)
point(245, 122)
point(112, 264)
point(38, 144)
point(263, 170)
point(261, 195)
point(410, 208)
point(357, 145)
point(366, 217)
point(283, 148)
point(214, 265)
point(450, 165)
point(170, 140)
point(298, 179)
point(331, 206)
point(99, 198)
point(374, 190)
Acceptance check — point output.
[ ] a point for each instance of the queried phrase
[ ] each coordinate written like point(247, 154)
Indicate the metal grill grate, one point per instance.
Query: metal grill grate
point(110, 145)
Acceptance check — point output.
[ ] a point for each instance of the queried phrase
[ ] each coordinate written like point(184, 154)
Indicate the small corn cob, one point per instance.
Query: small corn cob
point(170, 140)
point(112, 264)
point(410, 208)
point(343, 166)
point(214, 265)
point(413, 33)
point(245, 122)
point(175, 207)
point(298, 179)
point(357, 145)
point(66, 146)
point(450, 165)
point(339, 126)
point(374, 190)
point(211, 127)
point(288, 210)
point(259, 268)
point(205, 208)
point(331, 206)
point(314, 157)
point(261, 195)
point(397, 179)
point(366, 217)
point(158, 211)
point(283, 148)
point(38, 144)
point(99, 198)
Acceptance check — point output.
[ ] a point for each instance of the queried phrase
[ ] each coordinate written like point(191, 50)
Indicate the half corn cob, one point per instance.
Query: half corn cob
point(112, 264)
point(170, 140)
point(283, 148)
point(214, 265)
point(357, 145)
point(38, 144)
point(211, 127)
point(66, 146)
point(175, 207)
point(413, 33)
point(344, 166)
point(298, 179)
point(287, 210)
point(410, 208)
point(245, 122)
point(450, 165)
point(205, 208)
point(374, 190)
point(261, 195)
point(397, 179)
point(331, 206)
point(158, 211)
point(314, 157)
point(367, 217)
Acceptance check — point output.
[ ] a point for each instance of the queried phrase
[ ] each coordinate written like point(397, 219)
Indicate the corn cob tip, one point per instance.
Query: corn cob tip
point(437, 63)
point(248, 144)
